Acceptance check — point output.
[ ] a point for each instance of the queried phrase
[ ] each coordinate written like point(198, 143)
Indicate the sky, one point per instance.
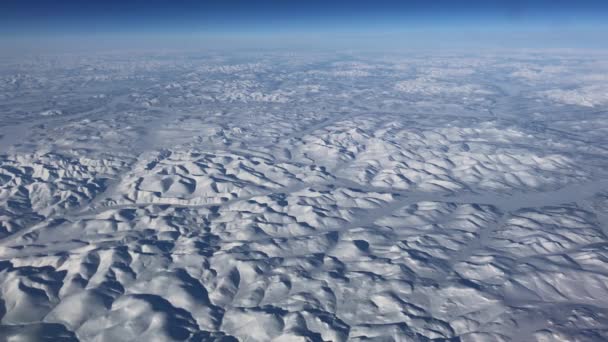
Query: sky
point(574, 20)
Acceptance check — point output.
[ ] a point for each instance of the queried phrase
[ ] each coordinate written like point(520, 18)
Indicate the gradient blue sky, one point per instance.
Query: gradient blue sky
point(577, 19)
point(46, 16)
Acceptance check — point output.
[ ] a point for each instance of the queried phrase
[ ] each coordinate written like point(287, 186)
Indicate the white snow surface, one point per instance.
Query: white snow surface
point(289, 196)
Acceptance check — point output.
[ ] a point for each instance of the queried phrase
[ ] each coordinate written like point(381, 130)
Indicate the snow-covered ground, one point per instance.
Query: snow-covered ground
point(304, 197)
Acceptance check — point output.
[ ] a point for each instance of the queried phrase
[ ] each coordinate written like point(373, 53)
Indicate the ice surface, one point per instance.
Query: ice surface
point(304, 197)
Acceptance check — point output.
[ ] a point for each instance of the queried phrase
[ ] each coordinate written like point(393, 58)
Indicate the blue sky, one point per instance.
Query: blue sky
point(73, 16)
point(579, 20)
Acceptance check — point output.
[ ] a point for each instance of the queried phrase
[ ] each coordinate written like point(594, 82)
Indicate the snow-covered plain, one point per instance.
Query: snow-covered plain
point(304, 197)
